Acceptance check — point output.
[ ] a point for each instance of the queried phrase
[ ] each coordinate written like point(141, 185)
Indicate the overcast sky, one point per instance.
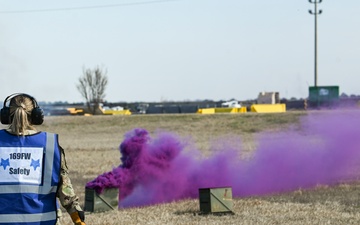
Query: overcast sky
point(175, 50)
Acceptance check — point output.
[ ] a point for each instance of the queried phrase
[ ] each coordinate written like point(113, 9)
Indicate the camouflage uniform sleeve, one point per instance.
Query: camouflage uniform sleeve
point(66, 195)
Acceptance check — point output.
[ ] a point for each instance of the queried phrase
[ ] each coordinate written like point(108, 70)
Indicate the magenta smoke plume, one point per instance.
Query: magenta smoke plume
point(323, 150)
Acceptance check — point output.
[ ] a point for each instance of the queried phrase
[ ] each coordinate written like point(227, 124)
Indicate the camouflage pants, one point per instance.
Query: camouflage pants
point(59, 215)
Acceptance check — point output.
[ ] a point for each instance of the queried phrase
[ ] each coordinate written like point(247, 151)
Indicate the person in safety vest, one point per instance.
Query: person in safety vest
point(33, 171)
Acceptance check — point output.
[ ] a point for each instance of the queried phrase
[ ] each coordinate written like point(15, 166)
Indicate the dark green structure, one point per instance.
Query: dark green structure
point(323, 96)
point(216, 200)
point(108, 200)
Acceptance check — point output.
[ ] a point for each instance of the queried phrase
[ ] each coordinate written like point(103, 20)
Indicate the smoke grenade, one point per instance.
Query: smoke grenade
point(322, 149)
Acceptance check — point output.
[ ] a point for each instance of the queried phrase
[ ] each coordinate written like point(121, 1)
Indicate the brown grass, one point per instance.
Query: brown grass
point(88, 139)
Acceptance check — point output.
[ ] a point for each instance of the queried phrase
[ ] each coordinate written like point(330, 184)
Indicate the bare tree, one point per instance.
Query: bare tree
point(92, 87)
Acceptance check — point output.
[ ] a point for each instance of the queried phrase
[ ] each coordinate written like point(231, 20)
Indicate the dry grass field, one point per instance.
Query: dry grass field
point(91, 145)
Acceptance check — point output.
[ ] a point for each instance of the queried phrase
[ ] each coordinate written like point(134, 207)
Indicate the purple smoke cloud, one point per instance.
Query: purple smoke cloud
point(323, 149)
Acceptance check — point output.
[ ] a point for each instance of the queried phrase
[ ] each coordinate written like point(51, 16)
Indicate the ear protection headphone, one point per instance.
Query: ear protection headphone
point(37, 115)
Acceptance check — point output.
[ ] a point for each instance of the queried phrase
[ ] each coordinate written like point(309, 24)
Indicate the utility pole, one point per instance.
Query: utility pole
point(315, 13)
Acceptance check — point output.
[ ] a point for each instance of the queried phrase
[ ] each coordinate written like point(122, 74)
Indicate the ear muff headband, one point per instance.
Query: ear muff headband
point(37, 116)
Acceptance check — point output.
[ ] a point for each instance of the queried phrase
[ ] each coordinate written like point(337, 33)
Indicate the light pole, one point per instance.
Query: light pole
point(315, 13)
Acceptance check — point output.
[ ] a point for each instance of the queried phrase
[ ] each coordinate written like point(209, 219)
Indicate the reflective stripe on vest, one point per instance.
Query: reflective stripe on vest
point(44, 192)
point(30, 218)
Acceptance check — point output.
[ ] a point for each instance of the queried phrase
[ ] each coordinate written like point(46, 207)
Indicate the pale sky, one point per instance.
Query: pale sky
point(175, 50)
